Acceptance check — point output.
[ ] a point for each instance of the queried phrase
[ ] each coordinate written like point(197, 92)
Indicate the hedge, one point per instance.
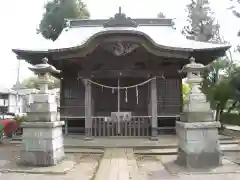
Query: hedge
point(230, 118)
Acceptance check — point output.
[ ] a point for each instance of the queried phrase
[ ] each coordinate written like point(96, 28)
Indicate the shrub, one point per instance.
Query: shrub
point(20, 118)
point(230, 118)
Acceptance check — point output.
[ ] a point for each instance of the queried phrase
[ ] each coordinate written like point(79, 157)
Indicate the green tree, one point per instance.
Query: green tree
point(31, 82)
point(53, 20)
point(201, 23)
point(222, 92)
point(202, 26)
point(216, 84)
point(235, 84)
point(185, 91)
point(235, 10)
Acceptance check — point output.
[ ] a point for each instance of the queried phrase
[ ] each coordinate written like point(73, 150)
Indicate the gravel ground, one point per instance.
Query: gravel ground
point(85, 168)
point(154, 169)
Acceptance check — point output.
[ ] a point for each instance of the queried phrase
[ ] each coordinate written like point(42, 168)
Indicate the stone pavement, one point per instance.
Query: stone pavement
point(123, 164)
point(118, 164)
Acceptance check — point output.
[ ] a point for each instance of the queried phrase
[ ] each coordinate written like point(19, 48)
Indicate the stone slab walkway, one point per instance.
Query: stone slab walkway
point(118, 164)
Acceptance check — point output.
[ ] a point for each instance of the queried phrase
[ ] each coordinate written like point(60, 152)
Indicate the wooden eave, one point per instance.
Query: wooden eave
point(34, 57)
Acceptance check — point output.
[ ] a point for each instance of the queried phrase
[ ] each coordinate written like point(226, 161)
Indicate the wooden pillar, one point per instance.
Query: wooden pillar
point(88, 109)
point(154, 109)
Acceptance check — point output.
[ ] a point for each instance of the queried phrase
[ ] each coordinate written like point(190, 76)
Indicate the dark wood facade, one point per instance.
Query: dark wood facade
point(105, 101)
point(133, 68)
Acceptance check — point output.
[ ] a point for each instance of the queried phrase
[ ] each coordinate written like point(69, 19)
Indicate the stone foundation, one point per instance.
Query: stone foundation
point(198, 144)
point(198, 160)
point(42, 143)
point(42, 158)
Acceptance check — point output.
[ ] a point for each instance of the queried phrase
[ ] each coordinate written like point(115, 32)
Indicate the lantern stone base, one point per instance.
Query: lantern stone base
point(43, 116)
point(42, 143)
point(198, 144)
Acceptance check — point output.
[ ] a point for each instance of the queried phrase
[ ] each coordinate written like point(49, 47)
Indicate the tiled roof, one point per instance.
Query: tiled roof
point(159, 31)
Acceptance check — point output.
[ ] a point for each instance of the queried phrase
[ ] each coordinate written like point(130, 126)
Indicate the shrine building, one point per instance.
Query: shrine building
point(120, 76)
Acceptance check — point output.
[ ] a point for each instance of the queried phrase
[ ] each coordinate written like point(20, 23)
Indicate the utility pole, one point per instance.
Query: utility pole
point(17, 85)
point(18, 73)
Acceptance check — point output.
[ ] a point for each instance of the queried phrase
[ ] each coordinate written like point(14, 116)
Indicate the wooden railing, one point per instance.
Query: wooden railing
point(136, 126)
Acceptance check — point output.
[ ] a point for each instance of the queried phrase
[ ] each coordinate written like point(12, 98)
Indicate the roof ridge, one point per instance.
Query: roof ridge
point(100, 22)
point(119, 19)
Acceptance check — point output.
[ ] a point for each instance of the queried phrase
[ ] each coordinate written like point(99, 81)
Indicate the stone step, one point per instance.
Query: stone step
point(139, 146)
point(173, 151)
point(221, 137)
point(163, 149)
point(233, 141)
point(98, 145)
point(167, 151)
point(225, 148)
point(224, 137)
point(230, 132)
point(84, 150)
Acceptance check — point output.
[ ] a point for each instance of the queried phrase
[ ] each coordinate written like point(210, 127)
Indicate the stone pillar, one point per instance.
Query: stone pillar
point(197, 131)
point(88, 110)
point(154, 109)
point(42, 140)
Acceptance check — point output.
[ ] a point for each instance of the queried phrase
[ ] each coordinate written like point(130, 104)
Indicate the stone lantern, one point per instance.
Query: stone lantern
point(42, 140)
point(196, 100)
point(197, 130)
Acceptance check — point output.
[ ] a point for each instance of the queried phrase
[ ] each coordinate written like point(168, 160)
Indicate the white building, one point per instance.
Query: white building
point(10, 101)
point(27, 98)
point(15, 101)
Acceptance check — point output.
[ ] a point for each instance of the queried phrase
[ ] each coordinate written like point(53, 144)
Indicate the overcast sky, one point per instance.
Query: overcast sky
point(20, 18)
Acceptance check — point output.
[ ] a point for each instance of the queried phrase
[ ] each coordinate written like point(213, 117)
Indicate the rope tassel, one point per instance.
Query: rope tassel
point(137, 94)
point(126, 95)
